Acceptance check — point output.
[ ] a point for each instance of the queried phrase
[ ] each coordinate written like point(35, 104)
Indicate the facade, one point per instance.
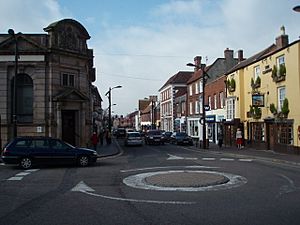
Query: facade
point(264, 100)
point(167, 99)
point(53, 83)
point(214, 95)
point(181, 109)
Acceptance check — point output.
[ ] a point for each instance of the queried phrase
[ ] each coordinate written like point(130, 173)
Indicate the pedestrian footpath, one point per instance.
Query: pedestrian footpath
point(107, 150)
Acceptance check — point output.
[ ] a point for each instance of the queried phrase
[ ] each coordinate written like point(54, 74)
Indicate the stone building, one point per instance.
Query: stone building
point(53, 83)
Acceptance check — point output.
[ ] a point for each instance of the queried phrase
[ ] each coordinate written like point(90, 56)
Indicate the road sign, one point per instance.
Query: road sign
point(206, 107)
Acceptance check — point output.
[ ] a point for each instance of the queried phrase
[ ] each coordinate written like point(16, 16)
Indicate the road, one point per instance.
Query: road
point(157, 185)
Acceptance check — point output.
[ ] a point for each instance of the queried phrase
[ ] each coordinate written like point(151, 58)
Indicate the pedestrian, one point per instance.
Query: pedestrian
point(94, 140)
point(239, 138)
point(220, 139)
point(101, 136)
point(108, 137)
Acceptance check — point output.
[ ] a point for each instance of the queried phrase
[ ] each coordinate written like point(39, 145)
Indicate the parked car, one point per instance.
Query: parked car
point(154, 137)
point(181, 138)
point(120, 133)
point(133, 138)
point(27, 151)
point(167, 136)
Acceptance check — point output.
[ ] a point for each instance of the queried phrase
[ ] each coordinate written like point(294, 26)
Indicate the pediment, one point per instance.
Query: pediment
point(25, 43)
point(70, 95)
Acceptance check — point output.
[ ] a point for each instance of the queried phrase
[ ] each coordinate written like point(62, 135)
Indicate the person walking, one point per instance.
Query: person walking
point(94, 140)
point(239, 138)
point(220, 139)
point(101, 136)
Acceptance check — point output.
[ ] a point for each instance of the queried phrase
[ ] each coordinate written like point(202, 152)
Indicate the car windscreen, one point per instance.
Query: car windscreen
point(154, 133)
point(134, 135)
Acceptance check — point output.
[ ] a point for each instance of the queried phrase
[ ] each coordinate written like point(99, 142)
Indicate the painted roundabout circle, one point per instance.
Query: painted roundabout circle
point(185, 180)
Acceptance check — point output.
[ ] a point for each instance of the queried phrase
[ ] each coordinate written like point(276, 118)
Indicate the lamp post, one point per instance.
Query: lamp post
point(14, 97)
point(202, 119)
point(297, 8)
point(108, 94)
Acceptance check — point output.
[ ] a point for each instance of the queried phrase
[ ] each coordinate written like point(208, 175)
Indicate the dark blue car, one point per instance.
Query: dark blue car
point(27, 151)
point(181, 138)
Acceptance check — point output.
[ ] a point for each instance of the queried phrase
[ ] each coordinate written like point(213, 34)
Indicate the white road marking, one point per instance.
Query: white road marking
point(290, 187)
point(15, 178)
point(226, 159)
point(175, 157)
point(83, 188)
point(168, 167)
point(20, 176)
point(2, 164)
point(245, 160)
point(208, 159)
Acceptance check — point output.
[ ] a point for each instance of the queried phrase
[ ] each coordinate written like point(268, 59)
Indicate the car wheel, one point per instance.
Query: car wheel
point(83, 160)
point(26, 163)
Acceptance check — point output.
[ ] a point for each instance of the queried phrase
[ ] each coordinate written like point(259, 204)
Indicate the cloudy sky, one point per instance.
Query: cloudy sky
point(139, 44)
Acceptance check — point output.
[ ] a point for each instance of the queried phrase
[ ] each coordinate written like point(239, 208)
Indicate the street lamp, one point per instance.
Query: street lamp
point(202, 119)
point(14, 97)
point(108, 94)
point(297, 8)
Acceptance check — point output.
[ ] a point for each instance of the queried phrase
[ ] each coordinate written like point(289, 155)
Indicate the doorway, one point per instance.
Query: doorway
point(68, 126)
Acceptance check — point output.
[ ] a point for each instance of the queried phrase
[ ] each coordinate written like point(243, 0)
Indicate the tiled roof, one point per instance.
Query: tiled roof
point(179, 78)
point(180, 91)
point(253, 59)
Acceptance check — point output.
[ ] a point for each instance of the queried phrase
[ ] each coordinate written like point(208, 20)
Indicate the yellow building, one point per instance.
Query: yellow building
point(263, 94)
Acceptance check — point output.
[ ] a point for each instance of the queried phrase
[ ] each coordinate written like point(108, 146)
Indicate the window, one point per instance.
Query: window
point(68, 80)
point(197, 88)
point(281, 97)
point(196, 107)
point(230, 109)
point(191, 108)
point(280, 60)
point(256, 72)
point(285, 134)
point(182, 108)
point(191, 89)
point(201, 86)
point(209, 101)
point(200, 103)
point(221, 99)
point(24, 98)
point(215, 101)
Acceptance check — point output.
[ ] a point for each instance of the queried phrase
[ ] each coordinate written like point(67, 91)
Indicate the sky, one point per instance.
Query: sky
point(140, 44)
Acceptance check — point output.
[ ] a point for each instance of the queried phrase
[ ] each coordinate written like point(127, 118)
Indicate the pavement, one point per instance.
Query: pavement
point(108, 150)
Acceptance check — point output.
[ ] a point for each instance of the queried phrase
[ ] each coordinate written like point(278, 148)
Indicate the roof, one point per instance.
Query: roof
point(181, 91)
point(57, 24)
point(181, 77)
point(258, 56)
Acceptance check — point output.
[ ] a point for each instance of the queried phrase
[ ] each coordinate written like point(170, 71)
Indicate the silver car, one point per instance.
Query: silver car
point(133, 138)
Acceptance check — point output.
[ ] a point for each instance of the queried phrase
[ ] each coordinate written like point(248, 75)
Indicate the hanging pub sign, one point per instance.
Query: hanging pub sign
point(258, 100)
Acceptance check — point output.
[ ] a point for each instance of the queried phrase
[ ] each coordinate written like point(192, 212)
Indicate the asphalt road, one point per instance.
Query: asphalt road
point(157, 185)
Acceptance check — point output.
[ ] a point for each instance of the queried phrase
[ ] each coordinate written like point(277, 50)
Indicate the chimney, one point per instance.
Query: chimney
point(197, 62)
point(283, 40)
point(240, 55)
point(228, 54)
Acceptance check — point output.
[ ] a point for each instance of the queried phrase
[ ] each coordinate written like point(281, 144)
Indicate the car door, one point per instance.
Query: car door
point(40, 151)
point(62, 152)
